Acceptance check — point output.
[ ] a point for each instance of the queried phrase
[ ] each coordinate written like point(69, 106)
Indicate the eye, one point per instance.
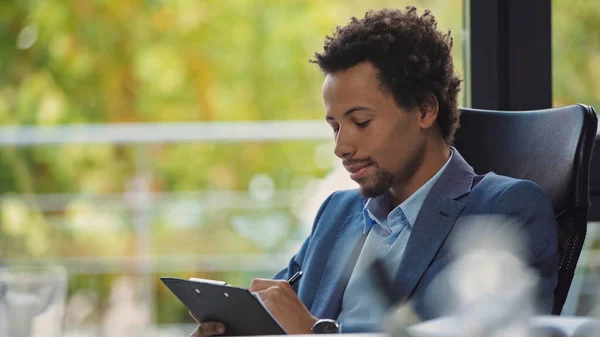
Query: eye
point(363, 124)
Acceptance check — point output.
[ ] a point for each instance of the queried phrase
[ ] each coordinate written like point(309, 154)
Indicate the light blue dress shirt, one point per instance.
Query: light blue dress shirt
point(388, 233)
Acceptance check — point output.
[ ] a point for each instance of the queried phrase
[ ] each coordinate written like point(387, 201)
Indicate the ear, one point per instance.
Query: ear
point(428, 111)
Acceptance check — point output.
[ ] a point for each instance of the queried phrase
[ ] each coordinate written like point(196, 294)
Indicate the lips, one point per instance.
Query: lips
point(358, 171)
point(356, 167)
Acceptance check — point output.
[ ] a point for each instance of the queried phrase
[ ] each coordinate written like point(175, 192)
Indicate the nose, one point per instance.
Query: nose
point(344, 145)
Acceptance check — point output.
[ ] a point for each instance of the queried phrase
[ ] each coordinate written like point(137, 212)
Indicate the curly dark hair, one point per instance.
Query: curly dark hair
point(411, 56)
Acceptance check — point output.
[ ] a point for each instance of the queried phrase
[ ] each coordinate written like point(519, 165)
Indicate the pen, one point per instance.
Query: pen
point(295, 278)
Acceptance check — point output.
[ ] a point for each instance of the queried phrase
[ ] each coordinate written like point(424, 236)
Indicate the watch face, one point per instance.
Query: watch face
point(326, 326)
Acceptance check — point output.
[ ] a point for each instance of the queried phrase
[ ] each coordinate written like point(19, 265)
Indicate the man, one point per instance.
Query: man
point(390, 96)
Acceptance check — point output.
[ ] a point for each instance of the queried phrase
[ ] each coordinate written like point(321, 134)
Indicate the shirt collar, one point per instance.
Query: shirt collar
point(377, 210)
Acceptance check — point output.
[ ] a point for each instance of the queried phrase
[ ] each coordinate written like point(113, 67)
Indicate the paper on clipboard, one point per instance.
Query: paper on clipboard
point(203, 280)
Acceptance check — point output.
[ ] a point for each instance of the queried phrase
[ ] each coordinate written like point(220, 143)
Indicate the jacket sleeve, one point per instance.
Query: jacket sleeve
point(527, 203)
point(295, 263)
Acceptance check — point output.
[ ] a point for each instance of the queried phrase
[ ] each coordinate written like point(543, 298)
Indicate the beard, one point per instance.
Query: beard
point(383, 180)
point(382, 183)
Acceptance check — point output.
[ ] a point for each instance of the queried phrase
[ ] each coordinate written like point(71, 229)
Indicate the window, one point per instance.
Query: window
point(188, 140)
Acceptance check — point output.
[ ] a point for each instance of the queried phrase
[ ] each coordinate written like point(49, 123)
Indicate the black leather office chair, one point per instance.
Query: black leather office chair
point(550, 147)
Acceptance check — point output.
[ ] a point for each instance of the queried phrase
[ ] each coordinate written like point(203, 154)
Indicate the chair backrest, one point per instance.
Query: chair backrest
point(551, 147)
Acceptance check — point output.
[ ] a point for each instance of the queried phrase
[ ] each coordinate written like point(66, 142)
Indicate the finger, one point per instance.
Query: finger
point(259, 284)
point(195, 333)
point(210, 329)
point(273, 294)
point(194, 317)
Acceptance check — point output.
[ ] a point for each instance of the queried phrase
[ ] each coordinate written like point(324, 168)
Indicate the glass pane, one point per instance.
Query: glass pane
point(575, 52)
point(575, 73)
point(118, 210)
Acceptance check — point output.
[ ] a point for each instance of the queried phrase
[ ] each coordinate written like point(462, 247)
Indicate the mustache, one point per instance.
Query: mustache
point(367, 161)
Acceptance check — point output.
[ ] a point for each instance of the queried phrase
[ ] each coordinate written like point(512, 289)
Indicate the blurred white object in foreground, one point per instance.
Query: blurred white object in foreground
point(494, 292)
point(32, 301)
point(486, 287)
point(451, 326)
point(494, 287)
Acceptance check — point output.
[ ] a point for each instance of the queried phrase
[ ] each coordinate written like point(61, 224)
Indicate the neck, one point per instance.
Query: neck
point(434, 158)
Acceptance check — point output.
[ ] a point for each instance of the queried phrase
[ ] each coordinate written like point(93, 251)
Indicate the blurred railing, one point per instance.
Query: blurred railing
point(142, 200)
point(163, 263)
point(138, 133)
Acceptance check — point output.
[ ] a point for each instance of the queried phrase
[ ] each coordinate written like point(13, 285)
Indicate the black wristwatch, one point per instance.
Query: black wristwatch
point(326, 326)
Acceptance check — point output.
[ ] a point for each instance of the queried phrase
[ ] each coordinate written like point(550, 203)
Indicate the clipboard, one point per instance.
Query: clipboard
point(241, 312)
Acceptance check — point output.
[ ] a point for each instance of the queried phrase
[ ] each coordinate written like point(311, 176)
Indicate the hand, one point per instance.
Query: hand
point(282, 302)
point(207, 328)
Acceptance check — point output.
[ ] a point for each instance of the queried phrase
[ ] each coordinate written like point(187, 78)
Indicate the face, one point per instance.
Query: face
point(381, 144)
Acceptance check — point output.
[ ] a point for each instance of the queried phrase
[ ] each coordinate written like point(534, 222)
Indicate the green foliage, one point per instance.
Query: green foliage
point(73, 62)
point(576, 52)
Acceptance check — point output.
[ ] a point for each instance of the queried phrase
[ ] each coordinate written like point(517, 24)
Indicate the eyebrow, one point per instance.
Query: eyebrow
point(351, 111)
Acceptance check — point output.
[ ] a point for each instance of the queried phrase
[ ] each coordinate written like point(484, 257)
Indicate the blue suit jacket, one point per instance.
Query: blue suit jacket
point(328, 256)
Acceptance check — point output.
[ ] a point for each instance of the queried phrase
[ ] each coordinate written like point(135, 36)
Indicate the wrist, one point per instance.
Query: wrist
point(311, 323)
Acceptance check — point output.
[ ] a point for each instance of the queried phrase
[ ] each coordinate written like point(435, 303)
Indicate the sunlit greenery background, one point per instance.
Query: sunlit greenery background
point(109, 61)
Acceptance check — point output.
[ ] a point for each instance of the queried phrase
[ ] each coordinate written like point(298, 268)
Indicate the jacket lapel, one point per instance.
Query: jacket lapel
point(339, 267)
point(435, 220)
